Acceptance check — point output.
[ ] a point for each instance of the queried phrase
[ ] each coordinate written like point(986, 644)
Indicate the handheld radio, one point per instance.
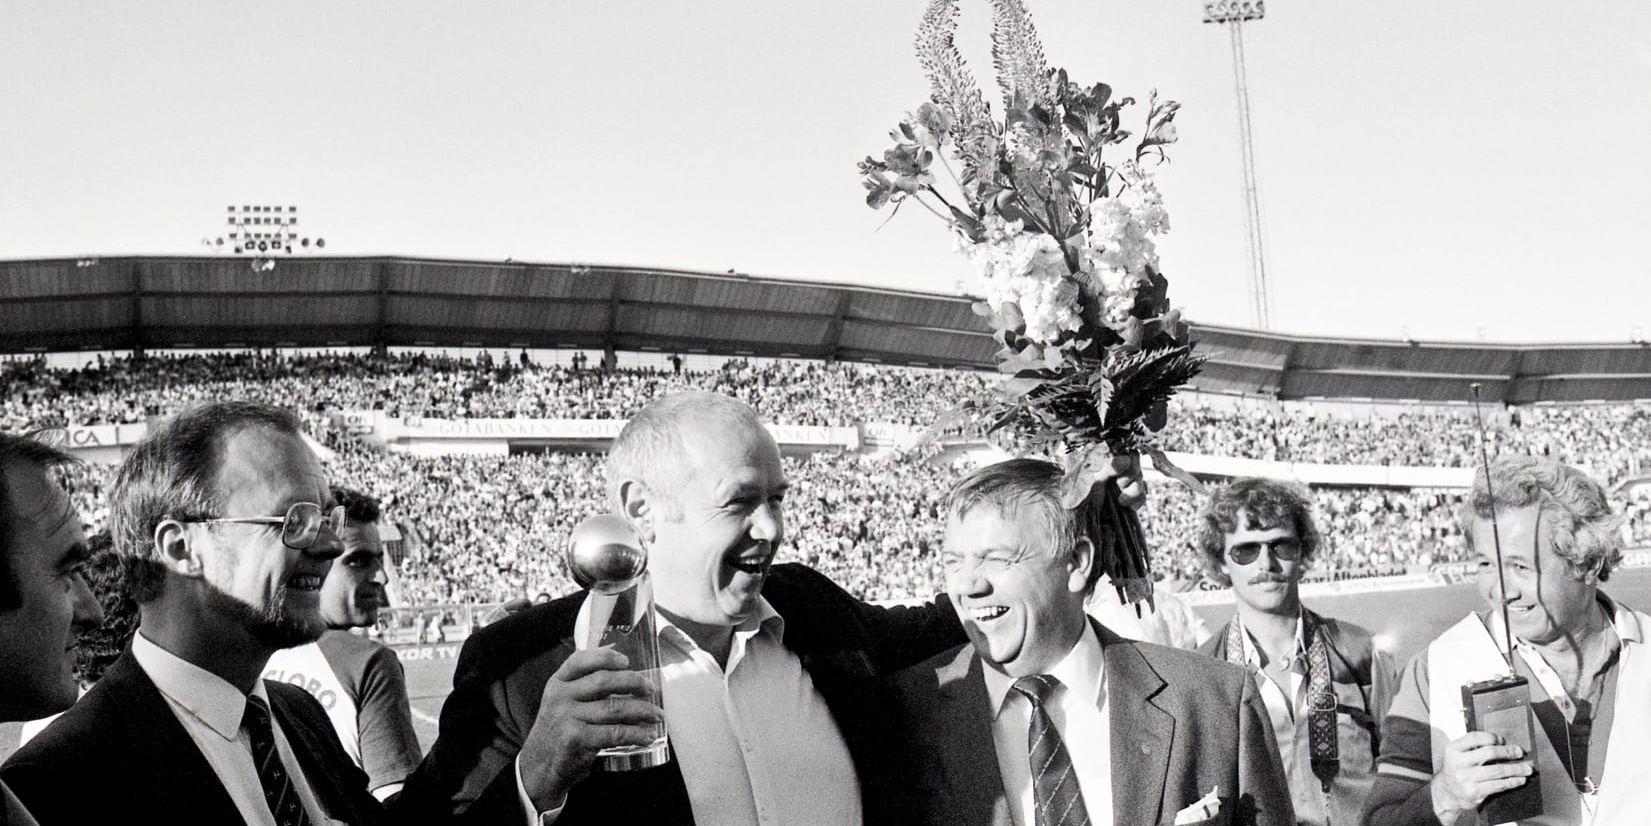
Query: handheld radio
point(1502, 705)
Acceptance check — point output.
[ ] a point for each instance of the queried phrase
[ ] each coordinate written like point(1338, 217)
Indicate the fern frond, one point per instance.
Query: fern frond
point(1146, 379)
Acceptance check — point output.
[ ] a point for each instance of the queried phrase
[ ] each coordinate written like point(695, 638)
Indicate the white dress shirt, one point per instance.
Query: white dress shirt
point(1285, 701)
point(756, 743)
point(1079, 711)
point(210, 710)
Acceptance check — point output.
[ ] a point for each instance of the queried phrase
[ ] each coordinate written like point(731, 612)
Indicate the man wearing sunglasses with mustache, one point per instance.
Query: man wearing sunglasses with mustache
point(1325, 686)
point(226, 525)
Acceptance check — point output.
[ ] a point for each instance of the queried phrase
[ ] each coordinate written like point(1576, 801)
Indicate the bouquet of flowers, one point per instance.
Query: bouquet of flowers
point(1056, 207)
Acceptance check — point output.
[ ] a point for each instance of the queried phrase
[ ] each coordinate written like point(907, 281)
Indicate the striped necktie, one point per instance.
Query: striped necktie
point(1056, 797)
point(279, 792)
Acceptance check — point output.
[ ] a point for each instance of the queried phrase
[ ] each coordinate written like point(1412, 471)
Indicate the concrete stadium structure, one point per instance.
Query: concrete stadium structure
point(127, 303)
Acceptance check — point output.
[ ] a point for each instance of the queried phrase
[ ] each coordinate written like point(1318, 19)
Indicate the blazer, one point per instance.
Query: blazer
point(1182, 724)
point(119, 755)
point(847, 647)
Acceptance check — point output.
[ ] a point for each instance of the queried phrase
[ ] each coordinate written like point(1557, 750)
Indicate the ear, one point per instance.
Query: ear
point(639, 507)
point(173, 550)
point(1081, 565)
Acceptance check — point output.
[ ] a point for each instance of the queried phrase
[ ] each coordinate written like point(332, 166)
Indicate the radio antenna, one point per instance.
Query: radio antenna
point(1495, 533)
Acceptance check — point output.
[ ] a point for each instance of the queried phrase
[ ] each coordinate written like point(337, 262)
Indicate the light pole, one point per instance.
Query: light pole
point(1234, 14)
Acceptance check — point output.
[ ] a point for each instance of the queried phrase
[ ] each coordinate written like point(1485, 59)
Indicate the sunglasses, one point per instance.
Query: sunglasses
point(300, 527)
point(1284, 548)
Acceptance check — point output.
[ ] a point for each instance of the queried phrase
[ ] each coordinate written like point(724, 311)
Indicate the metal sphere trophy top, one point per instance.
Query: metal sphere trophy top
point(605, 556)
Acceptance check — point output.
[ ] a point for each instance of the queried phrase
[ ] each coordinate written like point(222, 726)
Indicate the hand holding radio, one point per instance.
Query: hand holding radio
point(1476, 765)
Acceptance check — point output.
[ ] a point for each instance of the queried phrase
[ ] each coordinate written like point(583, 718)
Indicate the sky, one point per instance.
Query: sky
point(1465, 170)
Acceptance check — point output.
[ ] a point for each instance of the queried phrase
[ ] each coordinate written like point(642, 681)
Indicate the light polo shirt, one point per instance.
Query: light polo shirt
point(210, 710)
point(756, 743)
point(1079, 711)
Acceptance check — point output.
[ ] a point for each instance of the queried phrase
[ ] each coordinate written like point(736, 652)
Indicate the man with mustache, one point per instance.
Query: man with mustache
point(359, 682)
point(1324, 684)
point(226, 525)
point(770, 694)
point(1051, 719)
point(1582, 653)
point(44, 599)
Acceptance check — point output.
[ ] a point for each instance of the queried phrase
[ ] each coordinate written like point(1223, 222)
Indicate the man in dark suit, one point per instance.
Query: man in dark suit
point(44, 600)
point(770, 672)
point(224, 520)
point(1048, 719)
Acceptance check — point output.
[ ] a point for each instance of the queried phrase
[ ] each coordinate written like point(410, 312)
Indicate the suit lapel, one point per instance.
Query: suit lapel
point(963, 723)
point(179, 778)
point(1142, 733)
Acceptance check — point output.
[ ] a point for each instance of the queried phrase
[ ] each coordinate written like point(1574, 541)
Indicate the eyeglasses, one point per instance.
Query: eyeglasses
point(300, 528)
point(1284, 548)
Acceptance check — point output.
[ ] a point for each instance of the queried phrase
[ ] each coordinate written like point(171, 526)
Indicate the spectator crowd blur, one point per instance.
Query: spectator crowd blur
point(483, 529)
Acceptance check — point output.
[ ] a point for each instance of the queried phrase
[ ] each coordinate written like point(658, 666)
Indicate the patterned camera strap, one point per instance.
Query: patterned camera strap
point(1321, 694)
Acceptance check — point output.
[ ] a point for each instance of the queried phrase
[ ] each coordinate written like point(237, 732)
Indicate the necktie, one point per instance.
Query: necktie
point(1055, 794)
point(279, 793)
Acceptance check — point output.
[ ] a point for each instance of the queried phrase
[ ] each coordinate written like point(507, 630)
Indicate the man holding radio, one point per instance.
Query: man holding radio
point(1324, 684)
point(1552, 529)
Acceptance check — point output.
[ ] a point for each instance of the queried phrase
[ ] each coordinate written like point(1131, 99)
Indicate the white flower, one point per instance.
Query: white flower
point(1027, 270)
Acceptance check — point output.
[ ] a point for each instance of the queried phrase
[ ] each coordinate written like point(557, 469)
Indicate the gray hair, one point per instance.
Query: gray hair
point(1032, 488)
point(1574, 507)
point(651, 449)
point(29, 449)
point(173, 474)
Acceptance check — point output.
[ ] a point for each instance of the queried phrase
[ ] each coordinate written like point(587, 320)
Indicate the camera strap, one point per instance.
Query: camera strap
point(1322, 745)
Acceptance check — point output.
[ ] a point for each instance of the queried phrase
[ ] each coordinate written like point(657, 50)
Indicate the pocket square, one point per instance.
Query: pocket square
point(1203, 810)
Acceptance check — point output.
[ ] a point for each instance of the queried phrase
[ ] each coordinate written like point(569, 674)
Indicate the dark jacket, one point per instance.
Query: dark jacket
point(1181, 725)
point(845, 645)
point(119, 755)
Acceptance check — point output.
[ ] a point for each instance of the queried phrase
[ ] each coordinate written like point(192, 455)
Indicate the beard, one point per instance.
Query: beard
point(273, 625)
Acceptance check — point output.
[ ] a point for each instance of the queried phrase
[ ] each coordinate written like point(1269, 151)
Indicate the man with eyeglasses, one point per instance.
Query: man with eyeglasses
point(1324, 684)
point(358, 681)
point(44, 600)
point(1051, 719)
point(226, 526)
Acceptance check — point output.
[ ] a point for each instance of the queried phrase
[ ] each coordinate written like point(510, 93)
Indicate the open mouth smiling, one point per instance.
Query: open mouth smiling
point(987, 613)
point(305, 582)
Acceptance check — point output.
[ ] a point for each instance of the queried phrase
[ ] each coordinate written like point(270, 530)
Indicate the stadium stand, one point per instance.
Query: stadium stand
point(478, 527)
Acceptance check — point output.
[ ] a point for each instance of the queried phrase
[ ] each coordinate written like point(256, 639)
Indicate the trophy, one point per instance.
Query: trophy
point(605, 556)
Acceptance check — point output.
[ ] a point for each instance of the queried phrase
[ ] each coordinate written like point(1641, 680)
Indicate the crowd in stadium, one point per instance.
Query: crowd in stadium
point(478, 528)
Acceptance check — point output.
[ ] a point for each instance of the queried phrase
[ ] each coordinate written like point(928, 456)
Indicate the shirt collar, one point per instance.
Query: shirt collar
point(206, 696)
point(764, 619)
point(1252, 653)
point(1083, 670)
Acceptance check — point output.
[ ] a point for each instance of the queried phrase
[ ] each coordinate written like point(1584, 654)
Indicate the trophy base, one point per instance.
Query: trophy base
point(633, 759)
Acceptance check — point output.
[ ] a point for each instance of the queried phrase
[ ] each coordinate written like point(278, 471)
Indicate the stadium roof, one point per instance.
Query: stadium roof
point(51, 305)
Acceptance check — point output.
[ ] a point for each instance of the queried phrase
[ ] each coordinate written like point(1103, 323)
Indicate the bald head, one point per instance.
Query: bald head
point(659, 445)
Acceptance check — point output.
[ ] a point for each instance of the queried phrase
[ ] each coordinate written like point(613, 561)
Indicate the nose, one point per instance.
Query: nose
point(967, 580)
point(767, 524)
point(86, 612)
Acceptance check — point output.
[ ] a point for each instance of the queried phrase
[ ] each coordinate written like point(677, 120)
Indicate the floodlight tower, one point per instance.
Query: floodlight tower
point(1234, 14)
point(262, 231)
